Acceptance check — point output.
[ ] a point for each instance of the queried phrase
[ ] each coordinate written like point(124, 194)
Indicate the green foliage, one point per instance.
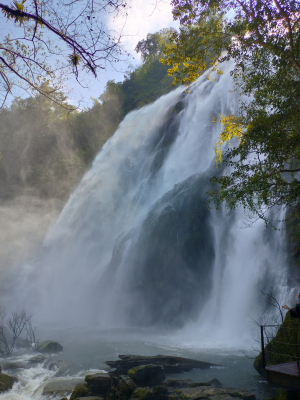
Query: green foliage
point(283, 346)
point(262, 38)
point(80, 390)
point(150, 80)
point(31, 55)
point(47, 148)
point(145, 84)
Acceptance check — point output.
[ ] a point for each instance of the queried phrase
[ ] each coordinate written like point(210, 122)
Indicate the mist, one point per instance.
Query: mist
point(137, 231)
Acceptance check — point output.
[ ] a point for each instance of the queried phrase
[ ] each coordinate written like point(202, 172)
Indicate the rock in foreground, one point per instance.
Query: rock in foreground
point(208, 392)
point(169, 363)
point(48, 346)
point(99, 383)
point(61, 387)
point(6, 382)
point(147, 375)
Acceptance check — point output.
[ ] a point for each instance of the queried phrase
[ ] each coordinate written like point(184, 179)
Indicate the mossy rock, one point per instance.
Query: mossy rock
point(99, 383)
point(281, 348)
point(140, 393)
point(48, 346)
point(6, 382)
point(286, 395)
point(126, 386)
point(147, 375)
point(80, 390)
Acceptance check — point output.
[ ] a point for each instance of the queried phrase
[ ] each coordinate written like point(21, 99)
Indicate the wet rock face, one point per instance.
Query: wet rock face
point(173, 257)
point(171, 364)
point(48, 346)
point(211, 393)
point(6, 382)
point(62, 387)
point(80, 390)
point(169, 262)
point(147, 375)
point(99, 383)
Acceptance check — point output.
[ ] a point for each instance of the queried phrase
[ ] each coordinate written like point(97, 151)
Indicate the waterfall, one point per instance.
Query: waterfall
point(136, 244)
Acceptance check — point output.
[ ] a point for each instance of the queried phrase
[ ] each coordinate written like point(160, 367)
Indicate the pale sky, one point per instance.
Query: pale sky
point(144, 16)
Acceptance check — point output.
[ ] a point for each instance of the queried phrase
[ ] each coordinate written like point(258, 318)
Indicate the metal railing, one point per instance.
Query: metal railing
point(279, 343)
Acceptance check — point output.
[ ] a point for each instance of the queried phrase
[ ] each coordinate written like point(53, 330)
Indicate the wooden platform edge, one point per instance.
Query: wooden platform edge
point(290, 382)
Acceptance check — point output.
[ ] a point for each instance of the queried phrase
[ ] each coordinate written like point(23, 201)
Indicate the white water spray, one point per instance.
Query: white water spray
point(85, 272)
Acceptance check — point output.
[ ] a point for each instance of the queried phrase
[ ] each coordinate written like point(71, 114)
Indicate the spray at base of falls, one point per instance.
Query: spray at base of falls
point(136, 244)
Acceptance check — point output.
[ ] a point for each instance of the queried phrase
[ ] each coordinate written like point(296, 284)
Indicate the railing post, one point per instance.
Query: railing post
point(262, 346)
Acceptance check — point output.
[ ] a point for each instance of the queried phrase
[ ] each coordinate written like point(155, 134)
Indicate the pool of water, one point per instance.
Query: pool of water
point(87, 349)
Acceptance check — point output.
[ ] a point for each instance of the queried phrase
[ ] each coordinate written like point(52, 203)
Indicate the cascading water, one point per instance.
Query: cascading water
point(136, 243)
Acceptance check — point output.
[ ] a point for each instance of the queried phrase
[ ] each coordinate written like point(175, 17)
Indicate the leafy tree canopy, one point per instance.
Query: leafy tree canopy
point(262, 38)
point(30, 54)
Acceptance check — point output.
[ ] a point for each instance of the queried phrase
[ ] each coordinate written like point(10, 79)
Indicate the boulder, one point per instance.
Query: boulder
point(39, 358)
point(126, 386)
point(213, 382)
point(60, 387)
point(178, 383)
point(48, 346)
point(147, 375)
point(169, 363)
point(90, 398)
point(6, 382)
point(158, 393)
point(80, 390)
point(17, 365)
point(140, 393)
point(241, 394)
point(213, 393)
point(99, 383)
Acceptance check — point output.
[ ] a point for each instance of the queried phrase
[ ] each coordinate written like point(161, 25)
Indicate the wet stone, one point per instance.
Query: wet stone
point(241, 393)
point(90, 398)
point(147, 375)
point(16, 365)
point(6, 382)
point(178, 383)
point(49, 346)
point(60, 387)
point(99, 383)
point(37, 359)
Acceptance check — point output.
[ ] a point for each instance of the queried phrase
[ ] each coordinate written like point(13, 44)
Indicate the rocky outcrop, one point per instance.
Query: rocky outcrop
point(126, 386)
point(59, 387)
point(162, 392)
point(99, 383)
point(147, 375)
point(281, 348)
point(48, 346)
point(39, 358)
point(169, 363)
point(6, 382)
point(16, 365)
point(169, 261)
point(123, 388)
point(211, 393)
point(80, 390)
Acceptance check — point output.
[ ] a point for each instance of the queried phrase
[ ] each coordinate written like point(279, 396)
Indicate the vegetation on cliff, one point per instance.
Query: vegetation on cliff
point(263, 41)
point(46, 148)
point(283, 347)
